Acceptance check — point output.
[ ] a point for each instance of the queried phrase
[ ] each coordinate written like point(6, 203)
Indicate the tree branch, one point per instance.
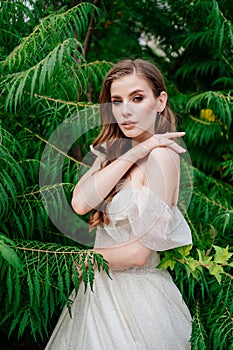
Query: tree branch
point(90, 31)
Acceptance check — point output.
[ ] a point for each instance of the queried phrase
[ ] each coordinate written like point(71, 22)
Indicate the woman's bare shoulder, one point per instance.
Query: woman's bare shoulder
point(162, 173)
point(163, 156)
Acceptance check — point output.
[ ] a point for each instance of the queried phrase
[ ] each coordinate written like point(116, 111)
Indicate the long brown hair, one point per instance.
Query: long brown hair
point(116, 143)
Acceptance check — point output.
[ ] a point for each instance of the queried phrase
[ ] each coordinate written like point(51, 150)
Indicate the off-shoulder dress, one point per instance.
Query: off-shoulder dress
point(139, 308)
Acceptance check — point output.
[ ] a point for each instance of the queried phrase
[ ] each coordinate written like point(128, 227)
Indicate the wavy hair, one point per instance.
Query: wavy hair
point(116, 143)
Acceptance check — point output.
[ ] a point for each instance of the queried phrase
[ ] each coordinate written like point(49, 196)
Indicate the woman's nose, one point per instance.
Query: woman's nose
point(126, 109)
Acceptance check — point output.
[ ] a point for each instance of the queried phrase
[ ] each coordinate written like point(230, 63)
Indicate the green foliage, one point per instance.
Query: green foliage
point(7, 250)
point(211, 303)
point(33, 292)
point(213, 263)
point(46, 78)
point(52, 51)
point(18, 28)
point(39, 265)
point(51, 31)
point(38, 276)
point(206, 116)
point(199, 336)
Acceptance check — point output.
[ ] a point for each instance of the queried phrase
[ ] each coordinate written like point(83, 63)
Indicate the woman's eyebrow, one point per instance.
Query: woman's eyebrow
point(132, 93)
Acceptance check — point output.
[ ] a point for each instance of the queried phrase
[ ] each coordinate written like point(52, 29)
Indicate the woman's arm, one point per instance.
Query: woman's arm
point(95, 185)
point(162, 177)
point(124, 256)
point(91, 190)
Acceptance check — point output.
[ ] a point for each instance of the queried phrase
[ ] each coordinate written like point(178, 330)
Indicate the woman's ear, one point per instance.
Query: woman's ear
point(162, 101)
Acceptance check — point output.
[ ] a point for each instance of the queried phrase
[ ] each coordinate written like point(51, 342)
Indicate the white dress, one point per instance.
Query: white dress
point(139, 308)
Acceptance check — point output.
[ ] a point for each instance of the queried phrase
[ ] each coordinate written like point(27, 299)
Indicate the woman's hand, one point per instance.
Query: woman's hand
point(96, 185)
point(142, 149)
point(165, 140)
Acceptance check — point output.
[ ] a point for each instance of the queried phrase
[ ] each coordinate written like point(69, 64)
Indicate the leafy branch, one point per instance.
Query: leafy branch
point(52, 29)
point(47, 272)
point(215, 263)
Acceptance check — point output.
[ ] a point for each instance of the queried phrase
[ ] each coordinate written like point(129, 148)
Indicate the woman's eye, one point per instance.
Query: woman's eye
point(137, 99)
point(116, 102)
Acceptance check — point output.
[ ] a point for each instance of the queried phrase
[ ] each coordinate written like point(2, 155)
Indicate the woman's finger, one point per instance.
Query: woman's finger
point(164, 142)
point(170, 135)
point(177, 148)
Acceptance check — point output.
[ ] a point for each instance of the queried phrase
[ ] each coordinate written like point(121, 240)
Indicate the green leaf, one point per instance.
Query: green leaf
point(30, 287)
point(203, 258)
point(193, 267)
point(23, 323)
point(10, 255)
point(222, 255)
point(216, 271)
point(185, 250)
point(167, 262)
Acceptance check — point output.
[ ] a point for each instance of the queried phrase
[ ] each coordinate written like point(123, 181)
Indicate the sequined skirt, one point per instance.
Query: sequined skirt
point(138, 309)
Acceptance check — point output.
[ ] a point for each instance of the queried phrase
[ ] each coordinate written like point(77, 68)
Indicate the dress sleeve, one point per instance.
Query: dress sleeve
point(156, 225)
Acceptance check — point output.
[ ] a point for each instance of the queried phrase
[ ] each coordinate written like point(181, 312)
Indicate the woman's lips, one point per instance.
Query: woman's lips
point(128, 124)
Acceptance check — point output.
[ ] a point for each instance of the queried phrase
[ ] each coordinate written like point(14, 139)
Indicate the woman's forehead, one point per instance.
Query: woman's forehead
point(130, 83)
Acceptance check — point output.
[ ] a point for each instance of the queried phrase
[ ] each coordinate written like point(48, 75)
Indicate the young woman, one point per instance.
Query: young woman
point(132, 192)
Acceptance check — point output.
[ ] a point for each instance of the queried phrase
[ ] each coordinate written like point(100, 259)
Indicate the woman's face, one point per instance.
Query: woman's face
point(135, 107)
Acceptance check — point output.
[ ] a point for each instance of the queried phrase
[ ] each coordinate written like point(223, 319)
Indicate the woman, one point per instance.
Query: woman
point(132, 190)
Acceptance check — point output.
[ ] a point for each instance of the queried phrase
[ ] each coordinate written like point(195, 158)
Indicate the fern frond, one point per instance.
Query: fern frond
point(199, 336)
point(41, 73)
point(199, 68)
point(50, 32)
point(203, 135)
point(203, 38)
point(8, 252)
point(223, 26)
point(226, 82)
point(210, 214)
point(214, 187)
point(220, 316)
point(219, 28)
point(11, 174)
point(47, 270)
point(228, 169)
point(96, 71)
point(219, 102)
